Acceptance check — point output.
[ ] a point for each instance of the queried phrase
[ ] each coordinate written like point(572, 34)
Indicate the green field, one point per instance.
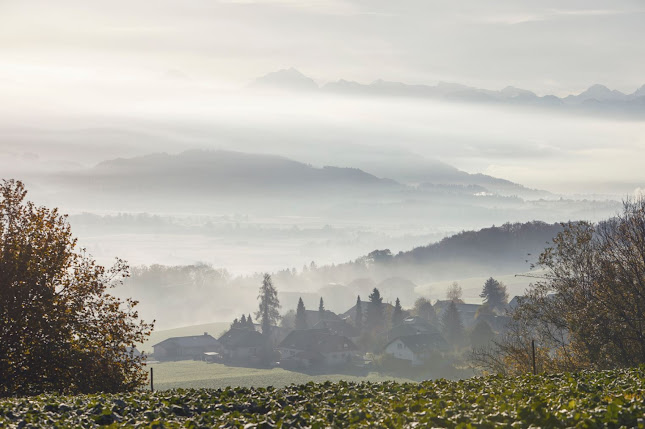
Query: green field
point(196, 374)
point(613, 399)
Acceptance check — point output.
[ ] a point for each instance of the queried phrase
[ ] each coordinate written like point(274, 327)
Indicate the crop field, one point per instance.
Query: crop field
point(196, 374)
point(587, 400)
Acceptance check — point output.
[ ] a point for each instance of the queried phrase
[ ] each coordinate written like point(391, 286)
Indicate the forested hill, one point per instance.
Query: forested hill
point(511, 245)
point(496, 251)
point(225, 173)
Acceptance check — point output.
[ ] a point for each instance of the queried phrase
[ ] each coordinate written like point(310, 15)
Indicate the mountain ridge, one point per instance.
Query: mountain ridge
point(250, 171)
point(596, 95)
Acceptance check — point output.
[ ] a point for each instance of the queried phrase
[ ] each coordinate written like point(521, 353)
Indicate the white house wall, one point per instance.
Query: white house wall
point(400, 351)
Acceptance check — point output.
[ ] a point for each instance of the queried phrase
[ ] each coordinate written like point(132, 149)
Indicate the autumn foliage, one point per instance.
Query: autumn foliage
point(60, 329)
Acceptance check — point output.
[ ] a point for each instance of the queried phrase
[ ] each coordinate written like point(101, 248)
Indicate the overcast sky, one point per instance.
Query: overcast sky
point(165, 61)
point(548, 46)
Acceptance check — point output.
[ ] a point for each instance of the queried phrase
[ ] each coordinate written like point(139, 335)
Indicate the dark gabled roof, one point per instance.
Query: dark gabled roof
point(190, 341)
point(338, 327)
point(461, 306)
point(236, 337)
point(416, 320)
point(351, 313)
point(406, 329)
point(421, 342)
point(317, 340)
point(313, 317)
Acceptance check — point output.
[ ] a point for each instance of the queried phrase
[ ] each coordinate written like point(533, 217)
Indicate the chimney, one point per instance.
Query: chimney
point(205, 333)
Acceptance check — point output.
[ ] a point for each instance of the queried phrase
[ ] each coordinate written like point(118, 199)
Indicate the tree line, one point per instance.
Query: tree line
point(586, 308)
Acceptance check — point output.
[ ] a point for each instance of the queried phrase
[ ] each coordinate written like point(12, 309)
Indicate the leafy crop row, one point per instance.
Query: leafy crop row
point(587, 399)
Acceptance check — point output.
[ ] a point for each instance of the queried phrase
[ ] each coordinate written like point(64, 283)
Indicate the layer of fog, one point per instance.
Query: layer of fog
point(590, 155)
point(562, 154)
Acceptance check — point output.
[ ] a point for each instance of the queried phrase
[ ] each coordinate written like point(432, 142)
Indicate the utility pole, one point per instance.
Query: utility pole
point(533, 349)
point(152, 380)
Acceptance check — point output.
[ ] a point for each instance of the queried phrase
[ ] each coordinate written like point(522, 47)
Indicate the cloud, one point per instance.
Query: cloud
point(331, 7)
point(548, 15)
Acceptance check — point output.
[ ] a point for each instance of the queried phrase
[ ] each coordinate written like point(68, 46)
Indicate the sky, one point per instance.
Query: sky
point(551, 47)
point(82, 64)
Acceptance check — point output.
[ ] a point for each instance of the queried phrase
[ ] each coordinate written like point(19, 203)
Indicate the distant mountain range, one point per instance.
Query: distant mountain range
point(235, 173)
point(226, 173)
point(597, 96)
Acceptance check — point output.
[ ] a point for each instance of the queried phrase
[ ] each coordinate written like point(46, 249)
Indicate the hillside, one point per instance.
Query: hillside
point(223, 173)
point(509, 245)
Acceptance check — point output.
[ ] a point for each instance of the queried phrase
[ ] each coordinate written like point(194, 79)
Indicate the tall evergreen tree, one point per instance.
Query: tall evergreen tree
point(397, 314)
point(249, 322)
point(268, 312)
point(375, 314)
point(494, 294)
point(451, 324)
point(359, 313)
point(321, 307)
point(243, 321)
point(301, 315)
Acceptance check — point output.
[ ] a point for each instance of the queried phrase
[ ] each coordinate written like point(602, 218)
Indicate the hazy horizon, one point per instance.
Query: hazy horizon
point(85, 83)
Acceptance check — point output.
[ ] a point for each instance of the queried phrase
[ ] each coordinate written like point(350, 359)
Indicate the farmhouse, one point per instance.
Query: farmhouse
point(191, 347)
point(241, 344)
point(415, 348)
point(309, 347)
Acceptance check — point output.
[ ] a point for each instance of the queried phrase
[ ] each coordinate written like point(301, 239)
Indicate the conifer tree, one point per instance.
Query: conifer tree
point(359, 313)
point(375, 316)
point(451, 324)
point(301, 315)
point(494, 294)
point(397, 314)
point(268, 313)
point(249, 322)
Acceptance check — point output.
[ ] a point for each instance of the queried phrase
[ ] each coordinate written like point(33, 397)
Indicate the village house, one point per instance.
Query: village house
point(313, 317)
point(467, 312)
point(241, 344)
point(190, 347)
point(411, 325)
point(350, 315)
point(339, 327)
point(316, 347)
point(415, 349)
